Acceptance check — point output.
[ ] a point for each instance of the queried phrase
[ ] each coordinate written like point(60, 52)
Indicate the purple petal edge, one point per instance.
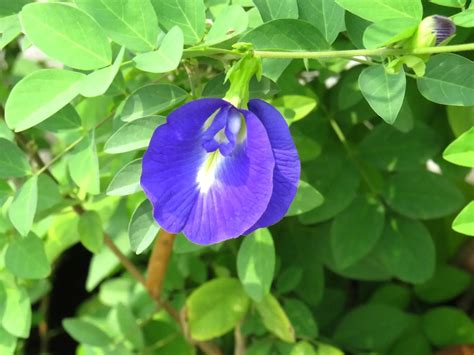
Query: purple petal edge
point(287, 163)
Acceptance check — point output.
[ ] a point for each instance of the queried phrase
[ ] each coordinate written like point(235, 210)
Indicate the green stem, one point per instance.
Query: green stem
point(378, 52)
point(68, 148)
point(59, 156)
point(350, 152)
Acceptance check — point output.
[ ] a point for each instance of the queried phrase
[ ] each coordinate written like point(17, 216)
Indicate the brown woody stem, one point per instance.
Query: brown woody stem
point(158, 263)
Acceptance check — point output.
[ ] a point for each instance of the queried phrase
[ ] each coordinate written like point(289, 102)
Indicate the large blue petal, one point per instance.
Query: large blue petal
point(172, 156)
point(208, 196)
point(287, 163)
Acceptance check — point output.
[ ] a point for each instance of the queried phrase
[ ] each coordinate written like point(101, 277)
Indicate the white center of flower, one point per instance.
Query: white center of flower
point(206, 175)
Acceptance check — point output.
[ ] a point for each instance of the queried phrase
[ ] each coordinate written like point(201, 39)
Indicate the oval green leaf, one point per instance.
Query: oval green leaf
point(256, 277)
point(449, 80)
point(26, 258)
point(383, 91)
point(39, 95)
point(133, 135)
point(167, 57)
point(142, 229)
point(67, 34)
point(132, 24)
point(215, 308)
point(13, 162)
point(23, 208)
point(151, 99)
point(127, 180)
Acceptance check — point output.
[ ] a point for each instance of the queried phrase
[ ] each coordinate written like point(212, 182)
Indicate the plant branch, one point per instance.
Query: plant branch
point(126, 263)
point(377, 52)
point(158, 263)
point(342, 138)
point(239, 340)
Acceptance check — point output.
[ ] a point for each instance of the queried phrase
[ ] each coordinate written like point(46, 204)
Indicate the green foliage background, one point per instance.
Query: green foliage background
point(374, 254)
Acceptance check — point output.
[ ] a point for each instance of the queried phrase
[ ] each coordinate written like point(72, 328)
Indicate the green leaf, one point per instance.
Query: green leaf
point(231, 21)
point(90, 231)
point(383, 91)
point(130, 24)
point(298, 35)
point(326, 349)
point(167, 57)
point(289, 279)
point(306, 199)
point(5, 191)
point(356, 230)
point(129, 327)
point(85, 332)
point(450, 3)
point(326, 15)
point(273, 10)
point(116, 291)
point(65, 119)
point(105, 262)
point(371, 327)
point(10, 28)
point(7, 342)
point(446, 82)
point(25, 258)
point(143, 228)
point(215, 308)
point(407, 250)
point(447, 283)
point(383, 33)
point(67, 34)
point(464, 222)
point(256, 277)
point(15, 310)
point(98, 82)
point(378, 10)
point(151, 99)
point(301, 318)
point(460, 118)
point(294, 107)
point(183, 245)
point(446, 326)
point(83, 165)
point(8, 7)
point(275, 319)
point(423, 195)
point(303, 348)
point(189, 15)
point(39, 95)
point(387, 148)
point(392, 294)
point(461, 151)
point(464, 18)
point(23, 208)
point(329, 170)
point(133, 135)
point(412, 344)
point(127, 180)
point(355, 27)
point(13, 162)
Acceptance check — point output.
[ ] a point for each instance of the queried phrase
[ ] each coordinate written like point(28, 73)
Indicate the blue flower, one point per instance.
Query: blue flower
point(215, 172)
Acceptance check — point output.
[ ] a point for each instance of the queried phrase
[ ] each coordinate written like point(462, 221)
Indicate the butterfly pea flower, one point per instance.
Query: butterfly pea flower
point(214, 171)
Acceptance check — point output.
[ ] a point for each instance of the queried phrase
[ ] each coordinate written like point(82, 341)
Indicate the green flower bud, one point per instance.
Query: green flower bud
point(433, 30)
